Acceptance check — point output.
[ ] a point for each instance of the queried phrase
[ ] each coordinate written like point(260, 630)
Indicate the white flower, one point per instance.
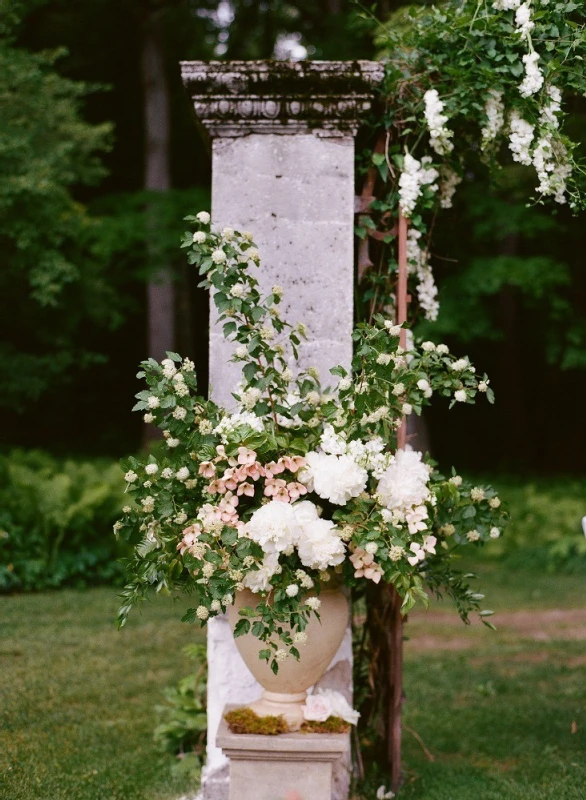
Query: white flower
point(533, 80)
point(151, 469)
point(393, 330)
point(130, 476)
point(371, 547)
point(439, 135)
point(169, 368)
point(523, 21)
point(292, 590)
point(229, 424)
point(313, 398)
point(460, 365)
point(442, 349)
point(494, 502)
point(274, 527)
point(406, 409)
point(414, 176)
point(483, 386)
point(428, 347)
point(495, 114)
point(396, 552)
point(335, 478)
point(449, 181)
point(300, 637)
point(250, 398)
point(382, 794)
point(494, 533)
point(148, 504)
point(520, 139)
point(260, 580)
point(333, 443)
point(319, 545)
point(216, 605)
point(180, 518)
point(171, 442)
point(325, 703)
point(456, 480)
point(188, 365)
point(506, 5)
point(148, 418)
point(153, 402)
point(202, 613)
point(473, 536)
point(182, 474)
point(313, 603)
point(205, 427)
point(238, 290)
point(477, 494)
point(553, 168)
point(203, 217)
point(404, 482)
point(179, 412)
point(241, 351)
point(218, 256)
point(418, 554)
point(423, 385)
point(552, 107)
point(199, 237)
point(460, 396)
point(227, 233)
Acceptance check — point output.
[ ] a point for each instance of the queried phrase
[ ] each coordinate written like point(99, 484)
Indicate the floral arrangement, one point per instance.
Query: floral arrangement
point(471, 82)
point(299, 486)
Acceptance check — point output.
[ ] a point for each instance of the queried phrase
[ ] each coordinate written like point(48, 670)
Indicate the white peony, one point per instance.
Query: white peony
point(260, 580)
point(319, 545)
point(404, 482)
point(335, 478)
point(274, 527)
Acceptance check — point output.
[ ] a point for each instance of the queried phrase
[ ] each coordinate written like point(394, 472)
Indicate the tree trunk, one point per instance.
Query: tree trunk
point(157, 178)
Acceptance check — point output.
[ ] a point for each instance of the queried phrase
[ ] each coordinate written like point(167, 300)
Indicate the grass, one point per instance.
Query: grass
point(77, 697)
point(503, 714)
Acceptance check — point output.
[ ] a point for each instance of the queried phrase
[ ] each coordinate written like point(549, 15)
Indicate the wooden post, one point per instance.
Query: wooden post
point(396, 622)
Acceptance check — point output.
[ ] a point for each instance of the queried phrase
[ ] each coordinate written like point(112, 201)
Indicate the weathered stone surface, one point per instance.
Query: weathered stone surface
point(235, 98)
point(273, 767)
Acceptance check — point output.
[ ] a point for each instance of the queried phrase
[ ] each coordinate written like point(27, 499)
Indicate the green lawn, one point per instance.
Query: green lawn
point(502, 713)
point(77, 697)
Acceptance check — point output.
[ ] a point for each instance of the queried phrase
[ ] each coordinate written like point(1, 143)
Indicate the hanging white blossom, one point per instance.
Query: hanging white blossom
point(439, 135)
point(533, 80)
point(449, 181)
point(495, 115)
point(414, 176)
point(520, 138)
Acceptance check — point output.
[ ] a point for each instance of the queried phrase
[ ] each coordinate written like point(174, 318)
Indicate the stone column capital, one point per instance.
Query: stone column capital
point(237, 98)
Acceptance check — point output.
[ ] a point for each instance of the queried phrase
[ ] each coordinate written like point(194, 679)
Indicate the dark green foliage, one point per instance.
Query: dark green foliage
point(183, 721)
point(56, 521)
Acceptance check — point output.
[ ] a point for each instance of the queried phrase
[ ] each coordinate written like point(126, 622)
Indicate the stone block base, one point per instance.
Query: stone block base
point(290, 766)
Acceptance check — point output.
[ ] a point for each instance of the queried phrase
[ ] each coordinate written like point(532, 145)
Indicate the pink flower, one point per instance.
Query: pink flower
point(254, 471)
point(274, 468)
point(293, 463)
point(273, 486)
point(247, 489)
point(296, 490)
point(246, 456)
point(207, 469)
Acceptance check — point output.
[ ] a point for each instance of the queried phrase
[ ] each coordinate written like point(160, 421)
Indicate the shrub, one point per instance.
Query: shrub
point(56, 519)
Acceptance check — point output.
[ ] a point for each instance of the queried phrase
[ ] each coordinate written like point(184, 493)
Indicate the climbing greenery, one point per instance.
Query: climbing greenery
point(470, 86)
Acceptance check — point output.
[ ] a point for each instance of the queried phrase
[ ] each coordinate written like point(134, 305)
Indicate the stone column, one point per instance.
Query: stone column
point(282, 139)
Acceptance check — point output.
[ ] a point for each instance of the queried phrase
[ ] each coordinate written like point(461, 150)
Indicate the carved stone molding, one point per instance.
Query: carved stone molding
point(236, 98)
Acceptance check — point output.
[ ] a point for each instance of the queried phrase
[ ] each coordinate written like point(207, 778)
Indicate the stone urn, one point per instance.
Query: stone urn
point(285, 693)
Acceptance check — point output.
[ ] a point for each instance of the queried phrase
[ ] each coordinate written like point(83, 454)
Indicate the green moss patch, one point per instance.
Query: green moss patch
point(245, 720)
point(331, 725)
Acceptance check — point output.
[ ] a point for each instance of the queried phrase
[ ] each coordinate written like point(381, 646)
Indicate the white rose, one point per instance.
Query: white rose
point(404, 482)
point(319, 545)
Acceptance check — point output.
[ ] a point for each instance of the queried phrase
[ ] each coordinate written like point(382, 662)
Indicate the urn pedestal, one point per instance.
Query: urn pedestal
point(285, 693)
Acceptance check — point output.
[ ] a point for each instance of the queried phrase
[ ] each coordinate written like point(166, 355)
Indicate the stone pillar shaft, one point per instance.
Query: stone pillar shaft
point(282, 140)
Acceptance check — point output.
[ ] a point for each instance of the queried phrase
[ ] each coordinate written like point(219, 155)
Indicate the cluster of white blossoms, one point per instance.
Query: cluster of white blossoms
point(403, 487)
point(449, 181)
point(523, 22)
point(368, 455)
point(495, 117)
point(552, 107)
point(533, 80)
point(439, 135)
point(418, 264)
point(415, 175)
point(552, 166)
point(506, 5)
point(283, 527)
point(333, 478)
point(520, 138)
point(231, 422)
